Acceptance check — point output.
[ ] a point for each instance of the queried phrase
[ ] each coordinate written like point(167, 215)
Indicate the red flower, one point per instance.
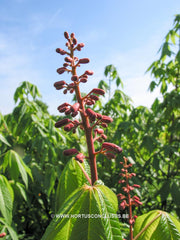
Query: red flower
point(69, 152)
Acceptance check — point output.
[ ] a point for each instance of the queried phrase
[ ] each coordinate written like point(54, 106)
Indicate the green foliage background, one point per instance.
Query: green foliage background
point(31, 160)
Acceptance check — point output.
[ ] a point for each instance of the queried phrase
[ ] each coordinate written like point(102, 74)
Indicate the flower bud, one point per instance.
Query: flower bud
point(74, 41)
point(74, 114)
point(74, 78)
point(94, 97)
point(61, 70)
point(79, 46)
point(2, 235)
point(104, 125)
point(63, 105)
point(91, 114)
point(66, 35)
point(99, 130)
point(103, 136)
point(106, 119)
point(89, 72)
point(75, 107)
point(61, 51)
point(68, 127)
point(68, 59)
point(99, 116)
point(69, 152)
point(84, 60)
point(112, 147)
point(65, 91)
point(83, 80)
point(123, 204)
point(136, 186)
point(98, 91)
point(62, 122)
point(65, 65)
point(58, 85)
point(80, 157)
point(63, 109)
point(68, 111)
point(71, 91)
point(72, 35)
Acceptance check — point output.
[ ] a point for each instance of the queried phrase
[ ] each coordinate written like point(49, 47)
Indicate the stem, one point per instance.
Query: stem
point(87, 129)
point(130, 209)
point(136, 237)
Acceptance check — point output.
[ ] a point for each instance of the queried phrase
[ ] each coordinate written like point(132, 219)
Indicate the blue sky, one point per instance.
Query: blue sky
point(127, 34)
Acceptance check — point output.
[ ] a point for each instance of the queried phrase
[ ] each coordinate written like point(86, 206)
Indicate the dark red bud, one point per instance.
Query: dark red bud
point(66, 35)
point(62, 122)
point(65, 91)
point(123, 204)
point(91, 114)
point(104, 125)
point(131, 221)
point(63, 105)
point(65, 65)
point(121, 181)
point(84, 60)
point(68, 59)
point(121, 196)
point(136, 186)
point(69, 152)
point(103, 136)
point(99, 130)
point(2, 235)
point(83, 80)
point(135, 216)
point(75, 107)
point(99, 116)
point(61, 70)
point(74, 78)
point(68, 127)
point(94, 97)
point(106, 119)
point(79, 46)
point(98, 91)
point(74, 41)
point(71, 91)
point(68, 111)
point(72, 35)
point(59, 84)
point(80, 157)
point(61, 51)
point(63, 109)
point(74, 114)
point(89, 72)
point(112, 147)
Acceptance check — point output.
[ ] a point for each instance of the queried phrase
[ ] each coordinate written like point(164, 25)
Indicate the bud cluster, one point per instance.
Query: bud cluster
point(126, 200)
point(91, 121)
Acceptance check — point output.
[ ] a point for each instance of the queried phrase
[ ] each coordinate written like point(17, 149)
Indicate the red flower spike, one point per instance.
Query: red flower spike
point(66, 35)
point(84, 60)
point(62, 122)
point(99, 130)
point(91, 114)
point(106, 119)
point(61, 51)
point(112, 147)
point(61, 70)
point(74, 78)
point(69, 152)
point(68, 127)
point(80, 157)
point(89, 72)
point(98, 91)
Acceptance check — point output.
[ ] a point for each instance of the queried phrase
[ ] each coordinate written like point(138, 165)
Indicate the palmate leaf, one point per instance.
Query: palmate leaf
point(71, 178)
point(157, 225)
point(89, 213)
point(6, 199)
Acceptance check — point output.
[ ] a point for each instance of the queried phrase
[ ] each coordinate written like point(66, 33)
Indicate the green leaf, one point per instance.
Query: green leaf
point(17, 167)
point(71, 178)
point(157, 225)
point(88, 214)
point(11, 231)
point(3, 139)
point(6, 199)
